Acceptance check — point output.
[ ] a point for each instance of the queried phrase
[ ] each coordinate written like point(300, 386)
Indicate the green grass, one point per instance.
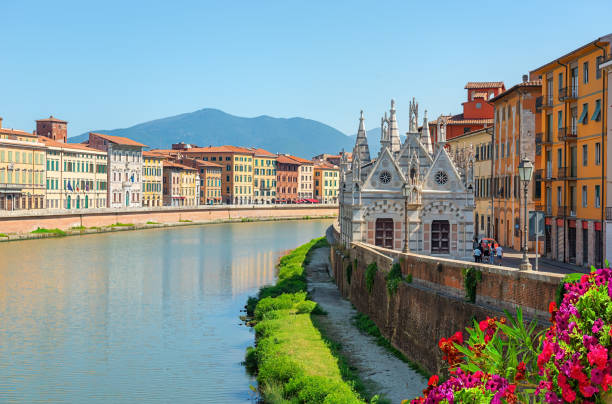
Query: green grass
point(78, 228)
point(3, 235)
point(118, 224)
point(150, 222)
point(366, 325)
point(293, 360)
point(185, 220)
point(57, 232)
point(95, 228)
point(246, 220)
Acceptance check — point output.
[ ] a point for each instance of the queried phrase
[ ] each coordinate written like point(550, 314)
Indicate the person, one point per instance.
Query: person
point(475, 243)
point(487, 253)
point(477, 255)
point(499, 253)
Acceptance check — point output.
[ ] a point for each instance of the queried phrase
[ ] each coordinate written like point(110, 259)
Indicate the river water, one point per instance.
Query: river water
point(138, 316)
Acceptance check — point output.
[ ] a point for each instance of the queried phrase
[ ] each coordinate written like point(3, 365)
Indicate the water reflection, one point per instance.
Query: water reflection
point(135, 316)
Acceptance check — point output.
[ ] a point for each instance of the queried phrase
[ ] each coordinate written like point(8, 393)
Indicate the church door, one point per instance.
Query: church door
point(384, 233)
point(440, 237)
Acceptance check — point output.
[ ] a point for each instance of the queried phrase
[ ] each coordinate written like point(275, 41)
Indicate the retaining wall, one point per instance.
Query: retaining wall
point(433, 305)
point(26, 221)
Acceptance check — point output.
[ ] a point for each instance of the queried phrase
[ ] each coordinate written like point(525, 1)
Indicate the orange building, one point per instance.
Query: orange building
point(515, 126)
point(477, 111)
point(573, 119)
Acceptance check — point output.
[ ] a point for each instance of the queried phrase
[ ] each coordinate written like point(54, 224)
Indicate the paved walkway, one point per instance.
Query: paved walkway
point(513, 259)
point(380, 371)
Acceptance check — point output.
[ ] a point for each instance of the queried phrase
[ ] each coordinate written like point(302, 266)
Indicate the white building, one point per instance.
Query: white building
point(411, 186)
point(124, 169)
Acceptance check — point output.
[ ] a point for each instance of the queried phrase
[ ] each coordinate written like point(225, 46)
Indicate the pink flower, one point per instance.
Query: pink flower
point(598, 357)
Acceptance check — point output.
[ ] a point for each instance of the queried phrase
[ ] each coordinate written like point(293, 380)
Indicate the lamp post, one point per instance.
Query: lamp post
point(406, 192)
point(525, 169)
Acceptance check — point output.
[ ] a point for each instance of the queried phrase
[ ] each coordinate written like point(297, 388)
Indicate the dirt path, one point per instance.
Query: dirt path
point(381, 372)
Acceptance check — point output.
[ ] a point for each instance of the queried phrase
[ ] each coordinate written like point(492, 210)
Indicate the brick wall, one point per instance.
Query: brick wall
point(433, 305)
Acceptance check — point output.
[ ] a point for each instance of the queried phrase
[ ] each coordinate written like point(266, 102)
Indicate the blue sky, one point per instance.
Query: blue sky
point(111, 64)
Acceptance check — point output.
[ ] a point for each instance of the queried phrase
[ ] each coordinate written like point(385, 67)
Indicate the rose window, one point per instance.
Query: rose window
point(441, 177)
point(385, 177)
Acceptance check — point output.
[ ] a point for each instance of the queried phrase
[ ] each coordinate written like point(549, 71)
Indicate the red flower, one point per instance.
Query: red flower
point(520, 372)
point(433, 380)
point(598, 356)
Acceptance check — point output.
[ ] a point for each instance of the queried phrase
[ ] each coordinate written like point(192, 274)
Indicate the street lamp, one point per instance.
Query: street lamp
point(406, 192)
point(525, 169)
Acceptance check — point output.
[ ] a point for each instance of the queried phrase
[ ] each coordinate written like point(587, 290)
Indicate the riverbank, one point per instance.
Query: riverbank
point(292, 359)
point(379, 369)
point(26, 226)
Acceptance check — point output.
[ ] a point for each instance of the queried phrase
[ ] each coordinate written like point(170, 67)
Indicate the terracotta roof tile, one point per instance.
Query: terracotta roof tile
point(119, 140)
point(153, 154)
point(261, 152)
point(458, 120)
point(218, 149)
point(16, 132)
point(51, 119)
point(173, 164)
point(74, 146)
point(484, 84)
point(522, 84)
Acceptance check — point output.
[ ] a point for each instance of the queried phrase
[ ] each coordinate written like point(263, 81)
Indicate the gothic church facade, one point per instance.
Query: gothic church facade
point(411, 195)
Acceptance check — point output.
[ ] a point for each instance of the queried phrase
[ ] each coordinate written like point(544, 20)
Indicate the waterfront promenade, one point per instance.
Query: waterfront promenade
point(21, 224)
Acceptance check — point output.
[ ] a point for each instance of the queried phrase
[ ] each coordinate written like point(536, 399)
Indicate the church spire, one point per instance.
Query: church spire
point(362, 150)
point(393, 130)
point(425, 138)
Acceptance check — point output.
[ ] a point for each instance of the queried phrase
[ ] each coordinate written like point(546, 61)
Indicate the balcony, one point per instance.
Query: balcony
point(538, 105)
point(568, 93)
point(567, 134)
point(568, 211)
point(567, 173)
point(543, 139)
point(547, 101)
point(539, 173)
point(549, 174)
point(608, 212)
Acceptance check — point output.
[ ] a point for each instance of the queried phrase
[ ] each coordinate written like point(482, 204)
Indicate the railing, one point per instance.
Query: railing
point(547, 101)
point(538, 105)
point(569, 211)
point(568, 93)
point(539, 173)
point(561, 133)
point(549, 210)
point(549, 173)
point(608, 212)
point(543, 138)
point(561, 173)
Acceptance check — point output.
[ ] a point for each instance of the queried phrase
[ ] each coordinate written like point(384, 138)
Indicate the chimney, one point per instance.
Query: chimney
point(0, 122)
point(524, 78)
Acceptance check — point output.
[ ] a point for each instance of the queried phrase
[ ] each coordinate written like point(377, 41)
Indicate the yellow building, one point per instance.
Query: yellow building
point(22, 170)
point(152, 179)
point(264, 176)
point(237, 165)
point(76, 176)
point(190, 186)
point(480, 141)
point(326, 182)
point(573, 120)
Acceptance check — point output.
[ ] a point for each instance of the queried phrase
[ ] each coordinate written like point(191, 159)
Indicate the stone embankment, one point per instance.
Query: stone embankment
point(430, 302)
point(19, 225)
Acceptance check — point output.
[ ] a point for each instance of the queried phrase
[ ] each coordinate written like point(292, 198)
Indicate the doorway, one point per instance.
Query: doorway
point(384, 233)
point(440, 230)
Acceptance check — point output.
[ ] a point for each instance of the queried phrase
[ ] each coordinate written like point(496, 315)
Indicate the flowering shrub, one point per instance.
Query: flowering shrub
point(506, 362)
point(575, 361)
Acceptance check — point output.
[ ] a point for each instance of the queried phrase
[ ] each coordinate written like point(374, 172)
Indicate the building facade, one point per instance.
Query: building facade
point(408, 197)
point(22, 170)
point(190, 186)
point(152, 179)
point(237, 170)
point(515, 127)
point(479, 143)
point(477, 111)
point(264, 176)
point(76, 176)
point(124, 159)
point(326, 182)
point(287, 175)
point(573, 118)
point(210, 180)
point(606, 65)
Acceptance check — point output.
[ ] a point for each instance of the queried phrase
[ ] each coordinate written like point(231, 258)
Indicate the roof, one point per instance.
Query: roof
point(119, 140)
point(172, 164)
point(473, 132)
point(218, 149)
point(483, 84)
point(287, 160)
point(458, 120)
point(301, 160)
point(262, 152)
point(153, 154)
point(523, 84)
point(207, 163)
point(75, 146)
point(325, 165)
point(51, 119)
point(606, 38)
point(16, 132)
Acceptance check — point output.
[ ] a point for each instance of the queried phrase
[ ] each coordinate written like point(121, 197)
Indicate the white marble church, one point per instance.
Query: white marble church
point(417, 179)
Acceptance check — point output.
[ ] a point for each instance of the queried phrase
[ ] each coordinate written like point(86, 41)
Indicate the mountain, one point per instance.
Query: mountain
point(299, 136)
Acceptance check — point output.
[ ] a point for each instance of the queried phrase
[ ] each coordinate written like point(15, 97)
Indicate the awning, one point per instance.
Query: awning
point(597, 114)
point(585, 111)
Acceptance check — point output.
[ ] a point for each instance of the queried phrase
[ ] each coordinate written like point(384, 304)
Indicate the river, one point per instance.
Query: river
point(136, 316)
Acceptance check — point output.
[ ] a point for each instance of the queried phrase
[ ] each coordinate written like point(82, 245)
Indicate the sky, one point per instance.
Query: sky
point(112, 64)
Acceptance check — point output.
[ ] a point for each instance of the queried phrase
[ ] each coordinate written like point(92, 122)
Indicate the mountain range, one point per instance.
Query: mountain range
point(298, 136)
